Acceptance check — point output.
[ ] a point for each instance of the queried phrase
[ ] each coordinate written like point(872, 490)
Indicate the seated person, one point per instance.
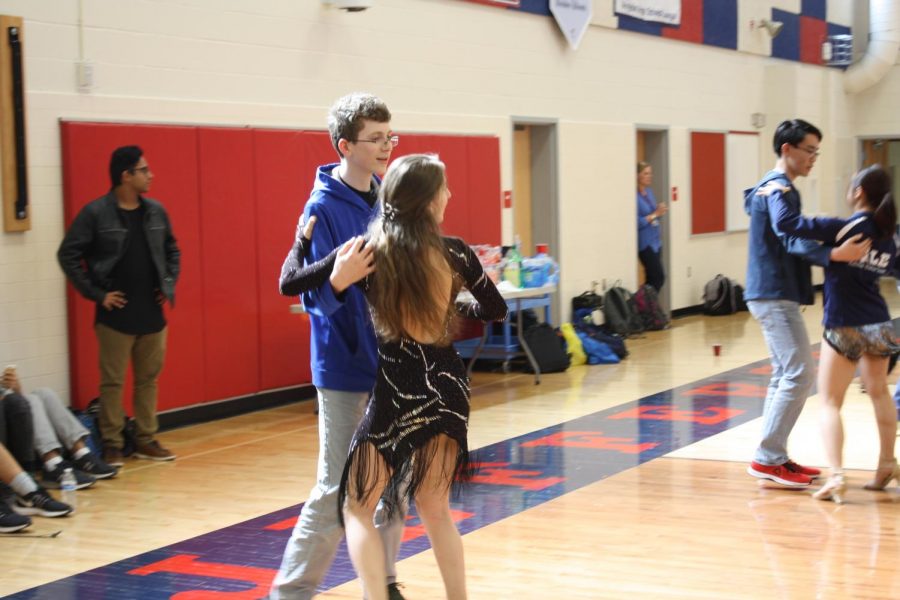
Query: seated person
point(16, 428)
point(56, 429)
point(26, 497)
point(10, 521)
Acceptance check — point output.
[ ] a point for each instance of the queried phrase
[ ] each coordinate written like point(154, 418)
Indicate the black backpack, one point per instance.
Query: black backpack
point(647, 301)
point(722, 296)
point(584, 305)
point(620, 312)
point(547, 347)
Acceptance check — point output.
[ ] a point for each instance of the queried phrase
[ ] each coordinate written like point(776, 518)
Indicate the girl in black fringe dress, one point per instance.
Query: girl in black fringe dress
point(412, 441)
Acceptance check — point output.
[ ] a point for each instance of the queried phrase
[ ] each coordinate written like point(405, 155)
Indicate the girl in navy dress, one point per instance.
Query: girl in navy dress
point(412, 441)
point(858, 329)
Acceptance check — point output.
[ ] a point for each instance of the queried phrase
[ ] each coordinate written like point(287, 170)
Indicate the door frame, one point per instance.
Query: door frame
point(544, 178)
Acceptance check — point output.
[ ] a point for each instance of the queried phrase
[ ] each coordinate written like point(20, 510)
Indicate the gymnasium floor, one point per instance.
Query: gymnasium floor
point(602, 482)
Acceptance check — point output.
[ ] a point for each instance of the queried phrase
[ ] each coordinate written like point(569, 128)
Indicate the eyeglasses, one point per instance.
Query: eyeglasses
point(144, 169)
point(812, 152)
point(391, 141)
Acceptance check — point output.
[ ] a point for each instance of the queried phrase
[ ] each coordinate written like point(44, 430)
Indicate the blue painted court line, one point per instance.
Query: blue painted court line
point(515, 475)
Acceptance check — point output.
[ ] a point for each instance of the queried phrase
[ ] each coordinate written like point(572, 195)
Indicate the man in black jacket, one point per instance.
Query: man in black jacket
point(120, 253)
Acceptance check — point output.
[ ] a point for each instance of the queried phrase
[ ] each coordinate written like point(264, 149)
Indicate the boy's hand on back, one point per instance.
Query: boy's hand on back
point(354, 261)
point(853, 248)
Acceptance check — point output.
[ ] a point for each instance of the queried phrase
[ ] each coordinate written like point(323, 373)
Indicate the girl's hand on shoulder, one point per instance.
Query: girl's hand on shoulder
point(355, 260)
point(305, 229)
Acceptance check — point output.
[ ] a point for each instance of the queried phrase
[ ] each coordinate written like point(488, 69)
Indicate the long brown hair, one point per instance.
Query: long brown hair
point(876, 185)
point(410, 255)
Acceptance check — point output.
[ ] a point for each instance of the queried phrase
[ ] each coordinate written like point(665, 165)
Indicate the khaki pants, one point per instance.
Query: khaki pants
point(147, 353)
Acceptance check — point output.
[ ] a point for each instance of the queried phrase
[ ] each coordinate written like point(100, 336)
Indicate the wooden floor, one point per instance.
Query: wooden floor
point(689, 524)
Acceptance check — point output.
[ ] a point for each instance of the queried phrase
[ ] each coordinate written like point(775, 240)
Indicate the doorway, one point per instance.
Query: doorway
point(653, 148)
point(886, 152)
point(535, 190)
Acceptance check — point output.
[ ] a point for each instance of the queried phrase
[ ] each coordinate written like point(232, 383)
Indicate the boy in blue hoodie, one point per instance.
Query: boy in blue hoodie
point(779, 280)
point(343, 345)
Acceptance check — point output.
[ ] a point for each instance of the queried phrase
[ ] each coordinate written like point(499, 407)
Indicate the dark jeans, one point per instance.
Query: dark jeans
point(652, 262)
point(17, 429)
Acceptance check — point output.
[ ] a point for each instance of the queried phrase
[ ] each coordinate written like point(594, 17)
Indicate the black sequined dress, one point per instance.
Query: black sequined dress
point(421, 395)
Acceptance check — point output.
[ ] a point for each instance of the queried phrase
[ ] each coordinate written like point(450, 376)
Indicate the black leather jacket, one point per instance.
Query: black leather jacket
point(97, 240)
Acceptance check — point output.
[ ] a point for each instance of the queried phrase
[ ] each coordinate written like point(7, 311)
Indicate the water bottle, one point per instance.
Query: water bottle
point(68, 484)
point(512, 272)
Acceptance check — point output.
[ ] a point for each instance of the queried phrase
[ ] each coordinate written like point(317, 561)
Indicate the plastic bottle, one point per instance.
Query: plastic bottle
point(68, 483)
point(512, 272)
point(548, 267)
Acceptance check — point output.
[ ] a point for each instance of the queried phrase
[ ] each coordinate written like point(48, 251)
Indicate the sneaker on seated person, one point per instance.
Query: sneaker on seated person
point(93, 465)
point(20, 492)
point(52, 476)
point(40, 503)
point(11, 521)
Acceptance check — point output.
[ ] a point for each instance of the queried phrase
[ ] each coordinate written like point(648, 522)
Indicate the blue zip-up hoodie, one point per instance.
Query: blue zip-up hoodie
point(777, 267)
point(344, 353)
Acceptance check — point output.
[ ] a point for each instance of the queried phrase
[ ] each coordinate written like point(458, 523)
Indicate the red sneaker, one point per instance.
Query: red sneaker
point(810, 472)
point(779, 474)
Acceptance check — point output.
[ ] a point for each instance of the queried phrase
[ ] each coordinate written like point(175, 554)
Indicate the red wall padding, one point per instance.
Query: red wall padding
point(234, 196)
point(484, 191)
point(229, 263)
point(473, 174)
point(285, 167)
point(707, 182)
point(171, 153)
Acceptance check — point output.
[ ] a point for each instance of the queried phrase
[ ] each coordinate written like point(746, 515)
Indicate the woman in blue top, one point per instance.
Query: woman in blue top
point(649, 212)
point(858, 327)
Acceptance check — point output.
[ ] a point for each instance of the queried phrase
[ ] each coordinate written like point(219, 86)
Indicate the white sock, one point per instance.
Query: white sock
point(83, 452)
point(23, 484)
point(51, 463)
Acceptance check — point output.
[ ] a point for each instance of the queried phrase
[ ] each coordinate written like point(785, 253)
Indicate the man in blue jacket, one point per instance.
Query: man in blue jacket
point(779, 280)
point(344, 350)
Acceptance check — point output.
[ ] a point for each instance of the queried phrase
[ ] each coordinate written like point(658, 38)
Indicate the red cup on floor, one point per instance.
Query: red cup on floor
point(717, 349)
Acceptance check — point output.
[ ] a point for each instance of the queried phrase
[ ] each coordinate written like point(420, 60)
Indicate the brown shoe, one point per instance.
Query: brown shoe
point(113, 456)
point(153, 451)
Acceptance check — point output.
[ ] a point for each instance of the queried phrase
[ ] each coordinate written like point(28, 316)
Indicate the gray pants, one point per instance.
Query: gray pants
point(315, 538)
point(55, 427)
point(793, 374)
